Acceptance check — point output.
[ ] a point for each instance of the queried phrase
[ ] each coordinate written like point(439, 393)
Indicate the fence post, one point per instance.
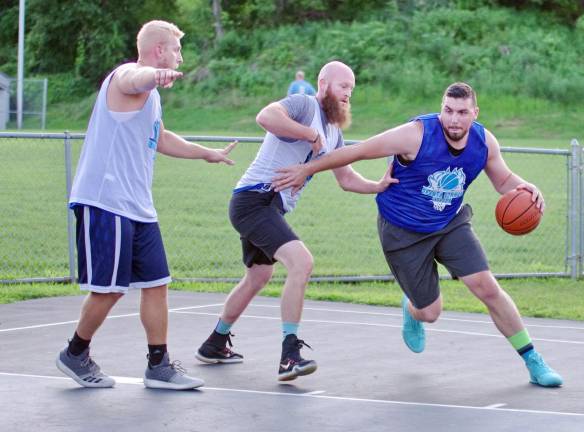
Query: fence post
point(581, 209)
point(574, 211)
point(70, 227)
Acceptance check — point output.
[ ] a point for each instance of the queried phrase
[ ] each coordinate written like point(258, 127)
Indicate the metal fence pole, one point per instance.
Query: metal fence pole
point(70, 227)
point(581, 209)
point(574, 216)
point(44, 107)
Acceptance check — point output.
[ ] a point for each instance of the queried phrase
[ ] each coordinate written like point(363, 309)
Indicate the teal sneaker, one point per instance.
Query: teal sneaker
point(539, 372)
point(413, 330)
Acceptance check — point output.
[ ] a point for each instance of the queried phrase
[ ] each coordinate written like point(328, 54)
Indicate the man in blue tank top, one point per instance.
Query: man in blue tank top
point(119, 244)
point(422, 219)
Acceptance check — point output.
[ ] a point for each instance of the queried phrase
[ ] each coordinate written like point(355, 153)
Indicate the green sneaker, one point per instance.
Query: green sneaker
point(539, 372)
point(413, 330)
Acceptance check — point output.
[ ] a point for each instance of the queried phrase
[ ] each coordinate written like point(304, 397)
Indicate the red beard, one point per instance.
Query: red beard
point(337, 113)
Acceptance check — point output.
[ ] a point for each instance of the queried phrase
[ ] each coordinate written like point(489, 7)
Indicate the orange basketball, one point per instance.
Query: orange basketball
point(516, 213)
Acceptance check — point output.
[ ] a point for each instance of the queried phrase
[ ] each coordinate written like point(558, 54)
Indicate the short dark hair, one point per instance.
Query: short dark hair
point(460, 90)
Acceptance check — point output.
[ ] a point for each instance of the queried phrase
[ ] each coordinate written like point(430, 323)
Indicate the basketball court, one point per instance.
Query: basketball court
point(468, 379)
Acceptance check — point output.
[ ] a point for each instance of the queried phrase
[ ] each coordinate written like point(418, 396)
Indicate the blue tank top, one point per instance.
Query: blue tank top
point(431, 188)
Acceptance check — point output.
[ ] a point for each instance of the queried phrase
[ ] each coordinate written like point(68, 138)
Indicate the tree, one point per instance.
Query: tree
point(217, 17)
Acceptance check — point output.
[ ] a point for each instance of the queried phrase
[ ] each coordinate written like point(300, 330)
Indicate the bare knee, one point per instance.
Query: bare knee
point(95, 298)
point(484, 287)
point(258, 276)
point(303, 265)
point(429, 313)
point(426, 315)
point(155, 293)
point(297, 259)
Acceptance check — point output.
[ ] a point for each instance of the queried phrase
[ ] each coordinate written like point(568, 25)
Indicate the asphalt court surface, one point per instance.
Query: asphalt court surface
point(468, 378)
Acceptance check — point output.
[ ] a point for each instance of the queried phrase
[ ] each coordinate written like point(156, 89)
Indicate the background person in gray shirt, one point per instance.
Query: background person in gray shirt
point(299, 128)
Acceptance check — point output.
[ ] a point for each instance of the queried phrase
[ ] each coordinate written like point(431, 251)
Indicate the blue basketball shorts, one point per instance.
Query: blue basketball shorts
point(116, 253)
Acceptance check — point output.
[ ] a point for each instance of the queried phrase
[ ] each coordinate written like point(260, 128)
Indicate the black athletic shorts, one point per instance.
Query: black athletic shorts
point(259, 219)
point(412, 256)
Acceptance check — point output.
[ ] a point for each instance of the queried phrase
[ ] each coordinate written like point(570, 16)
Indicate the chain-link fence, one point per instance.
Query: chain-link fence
point(34, 103)
point(37, 229)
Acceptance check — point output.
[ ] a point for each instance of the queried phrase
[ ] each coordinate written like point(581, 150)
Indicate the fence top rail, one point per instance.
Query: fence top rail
point(220, 138)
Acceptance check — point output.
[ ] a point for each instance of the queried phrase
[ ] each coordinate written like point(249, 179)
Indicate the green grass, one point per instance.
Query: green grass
point(546, 298)
point(338, 227)
point(192, 199)
point(374, 110)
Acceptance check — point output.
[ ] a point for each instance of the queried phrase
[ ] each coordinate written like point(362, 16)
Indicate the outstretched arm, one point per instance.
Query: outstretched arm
point(351, 181)
point(404, 140)
point(173, 145)
point(132, 79)
point(501, 176)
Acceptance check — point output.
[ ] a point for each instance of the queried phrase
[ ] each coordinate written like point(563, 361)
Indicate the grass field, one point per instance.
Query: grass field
point(338, 227)
point(192, 198)
point(546, 298)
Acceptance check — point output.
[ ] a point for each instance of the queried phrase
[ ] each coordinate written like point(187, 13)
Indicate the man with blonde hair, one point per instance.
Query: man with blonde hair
point(299, 128)
point(119, 244)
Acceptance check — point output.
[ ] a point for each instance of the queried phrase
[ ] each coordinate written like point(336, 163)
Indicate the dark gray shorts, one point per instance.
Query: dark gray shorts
point(259, 219)
point(412, 256)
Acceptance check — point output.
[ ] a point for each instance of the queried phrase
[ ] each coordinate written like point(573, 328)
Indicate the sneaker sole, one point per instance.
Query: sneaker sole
point(156, 384)
point(209, 360)
point(297, 371)
point(63, 368)
point(550, 385)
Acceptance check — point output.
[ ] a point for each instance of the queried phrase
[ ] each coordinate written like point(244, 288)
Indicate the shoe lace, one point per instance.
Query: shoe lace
point(229, 339)
point(537, 360)
point(293, 350)
point(88, 362)
point(300, 343)
point(177, 366)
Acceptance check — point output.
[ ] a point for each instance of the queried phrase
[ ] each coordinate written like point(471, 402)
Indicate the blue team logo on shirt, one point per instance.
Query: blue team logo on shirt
point(444, 186)
point(153, 140)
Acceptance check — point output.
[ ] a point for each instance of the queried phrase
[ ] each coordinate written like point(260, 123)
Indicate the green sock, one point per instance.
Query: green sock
point(521, 342)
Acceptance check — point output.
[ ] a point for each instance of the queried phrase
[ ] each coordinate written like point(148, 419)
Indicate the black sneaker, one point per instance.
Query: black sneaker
point(292, 365)
point(215, 350)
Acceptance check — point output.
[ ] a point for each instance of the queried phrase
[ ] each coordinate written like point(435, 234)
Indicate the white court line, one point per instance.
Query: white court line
point(428, 328)
point(399, 315)
point(135, 381)
point(109, 317)
point(495, 406)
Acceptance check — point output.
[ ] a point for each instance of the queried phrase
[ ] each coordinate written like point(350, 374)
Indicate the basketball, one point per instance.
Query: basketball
point(516, 213)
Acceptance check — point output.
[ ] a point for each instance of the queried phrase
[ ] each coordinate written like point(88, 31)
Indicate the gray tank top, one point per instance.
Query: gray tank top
point(277, 152)
point(117, 159)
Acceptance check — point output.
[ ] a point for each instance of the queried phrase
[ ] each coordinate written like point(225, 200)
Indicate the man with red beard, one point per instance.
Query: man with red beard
point(299, 128)
point(423, 220)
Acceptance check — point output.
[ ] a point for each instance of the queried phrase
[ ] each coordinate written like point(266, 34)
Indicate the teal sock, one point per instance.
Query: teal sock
point(223, 327)
point(289, 328)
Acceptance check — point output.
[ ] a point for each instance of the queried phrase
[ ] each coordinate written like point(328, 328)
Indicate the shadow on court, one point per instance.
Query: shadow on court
point(468, 379)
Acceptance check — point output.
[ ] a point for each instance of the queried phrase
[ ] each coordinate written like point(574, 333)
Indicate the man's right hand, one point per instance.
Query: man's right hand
point(293, 176)
point(316, 145)
point(165, 78)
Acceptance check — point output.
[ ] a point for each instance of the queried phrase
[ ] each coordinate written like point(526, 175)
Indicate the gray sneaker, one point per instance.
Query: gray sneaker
point(83, 369)
point(167, 375)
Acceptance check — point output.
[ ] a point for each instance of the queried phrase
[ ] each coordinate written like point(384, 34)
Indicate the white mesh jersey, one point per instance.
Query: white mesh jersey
point(117, 159)
point(279, 152)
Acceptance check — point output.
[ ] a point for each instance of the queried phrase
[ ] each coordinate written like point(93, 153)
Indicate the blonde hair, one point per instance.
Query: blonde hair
point(155, 32)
